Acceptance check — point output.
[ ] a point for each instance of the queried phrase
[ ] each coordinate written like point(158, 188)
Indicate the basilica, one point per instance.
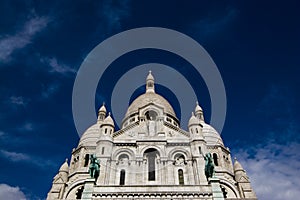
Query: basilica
point(151, 157)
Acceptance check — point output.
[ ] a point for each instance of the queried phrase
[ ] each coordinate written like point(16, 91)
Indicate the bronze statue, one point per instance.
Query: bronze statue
point(94, 168)
point(209, 166)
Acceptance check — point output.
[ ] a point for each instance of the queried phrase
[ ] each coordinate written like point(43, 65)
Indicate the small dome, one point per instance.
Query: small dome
point(193, 120)
point(211, 136)
point(150, 76)
point(64, 167)
point(109, 121)
point(102, 108)
point(237, 166)
point(90, 136)
point(198, 108)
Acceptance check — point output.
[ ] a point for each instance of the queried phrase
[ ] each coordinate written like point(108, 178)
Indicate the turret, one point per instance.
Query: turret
point(101, 113)
point(195, 128)
point(59, 182)
point(64, 171)
point(243, 181)
point(150, 83)
point(199, 112)
point(108, 126)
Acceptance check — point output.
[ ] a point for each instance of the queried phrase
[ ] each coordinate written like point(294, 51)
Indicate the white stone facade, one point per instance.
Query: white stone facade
point(151, 157)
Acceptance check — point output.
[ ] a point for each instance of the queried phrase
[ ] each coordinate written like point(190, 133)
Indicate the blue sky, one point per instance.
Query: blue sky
point(255, 45)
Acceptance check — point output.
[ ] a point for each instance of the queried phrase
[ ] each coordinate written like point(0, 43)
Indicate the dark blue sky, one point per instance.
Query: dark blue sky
point(255, 45)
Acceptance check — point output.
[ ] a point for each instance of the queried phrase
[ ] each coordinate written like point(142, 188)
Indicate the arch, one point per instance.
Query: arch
point(151, 155)
point(123, 156)
point(151, 114)
point(230, 186)
point(224, 191)
point(79, 192)
point(73, 187)
point(160, 152)
point(180, 177)
point(177, 150)
point(122, 177)
point(86, 160)
point(215, 158)
point(126, 151)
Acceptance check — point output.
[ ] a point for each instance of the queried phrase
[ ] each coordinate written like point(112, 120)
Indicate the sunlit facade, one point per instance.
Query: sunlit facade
point(151, 157)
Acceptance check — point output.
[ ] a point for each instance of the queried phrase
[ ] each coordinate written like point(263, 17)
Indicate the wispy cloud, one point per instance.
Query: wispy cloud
point(114, 12)
point(15, 157)
point(272, 168)
point(214, 24)
point(28, 126)
point(11, 193)
point(57, 67)
point(10, 43)
point(22, 157)
point(19, 100)
point(49, 90)
point(2, 133)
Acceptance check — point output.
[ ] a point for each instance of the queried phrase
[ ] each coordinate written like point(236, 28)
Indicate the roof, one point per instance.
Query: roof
point(148, 98)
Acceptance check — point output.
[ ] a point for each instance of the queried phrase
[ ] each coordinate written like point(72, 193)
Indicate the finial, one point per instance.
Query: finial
point(193, 114)
point(66, 160)
point(103, 103)
point(197, 103)
point(235, 158)
point(150, 71)
point(109, 114)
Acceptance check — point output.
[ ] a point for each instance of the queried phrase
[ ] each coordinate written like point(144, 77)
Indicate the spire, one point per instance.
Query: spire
point(150, 83)
point(64, 167)
point(242, 180)
point(109, 121)
point(101, 113)
point(237, 165)
point(193, 120)
point(199, 112)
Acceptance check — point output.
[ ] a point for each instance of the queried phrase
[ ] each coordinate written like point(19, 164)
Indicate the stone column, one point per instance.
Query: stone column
point(88, 189)
point(216, 189)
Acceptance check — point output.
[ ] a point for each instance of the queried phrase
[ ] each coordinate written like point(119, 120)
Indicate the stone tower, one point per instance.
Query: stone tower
point(151, 157)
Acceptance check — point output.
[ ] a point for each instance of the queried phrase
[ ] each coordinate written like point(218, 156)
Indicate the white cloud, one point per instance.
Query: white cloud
point(11, 193)
point(22, 157)
point(18, 100)
point(15, 157)
point(274, 170)
point(23, 37)
point(56, 66)
point(2, 133)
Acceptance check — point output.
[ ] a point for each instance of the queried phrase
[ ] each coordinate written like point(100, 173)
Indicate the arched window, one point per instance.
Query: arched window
point(151, 155)
point(122, 177)
point(86, 160)
point(123, 158)
point(151, 115)
point(180, 177)
point(215, 157)
point(79, 192)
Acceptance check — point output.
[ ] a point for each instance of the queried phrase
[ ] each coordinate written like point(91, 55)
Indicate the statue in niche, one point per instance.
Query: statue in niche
point(209, 166)
point(94, 168)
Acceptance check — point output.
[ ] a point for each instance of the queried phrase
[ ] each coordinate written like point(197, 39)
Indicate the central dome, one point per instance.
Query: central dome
point(147, 98)
point(150, 97)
